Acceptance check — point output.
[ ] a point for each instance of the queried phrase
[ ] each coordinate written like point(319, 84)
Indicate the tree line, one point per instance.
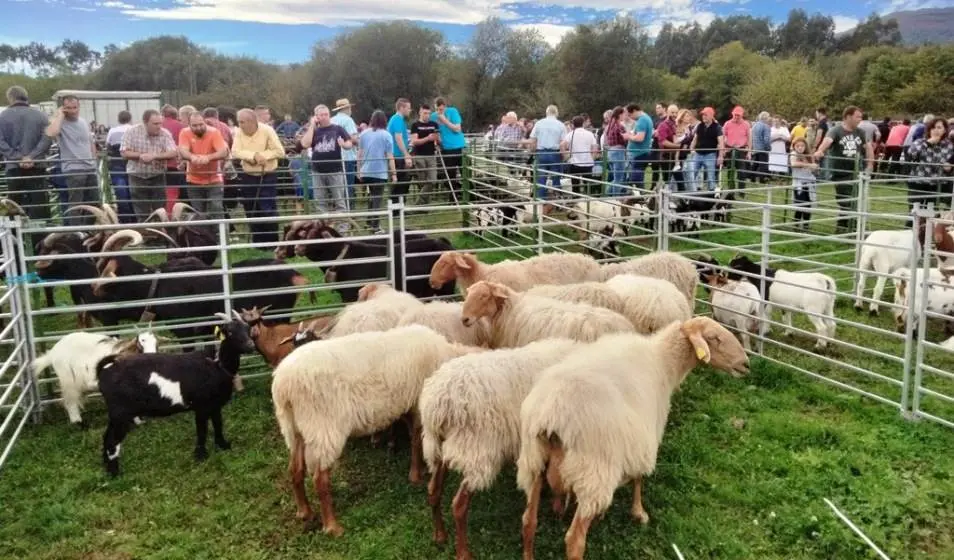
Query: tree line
point(788, 69)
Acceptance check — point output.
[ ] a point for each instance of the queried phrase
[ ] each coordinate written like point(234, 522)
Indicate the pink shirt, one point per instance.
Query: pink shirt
point(174, 127)
point(736, 134)
point(897, 135)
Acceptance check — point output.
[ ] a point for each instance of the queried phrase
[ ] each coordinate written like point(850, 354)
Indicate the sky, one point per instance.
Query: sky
point(283, 31)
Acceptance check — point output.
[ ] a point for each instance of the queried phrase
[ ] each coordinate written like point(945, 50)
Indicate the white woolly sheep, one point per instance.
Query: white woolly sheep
point(470, 420)
point(551, 268)
point(940, 294)
point(517, 319)
point(664, 265)
point(379, 308)
point(649, 303)
point(598, 417)
point(444, 317)
point(597, 294)
point(74, 358)
point(329, 390)
point(736, 304)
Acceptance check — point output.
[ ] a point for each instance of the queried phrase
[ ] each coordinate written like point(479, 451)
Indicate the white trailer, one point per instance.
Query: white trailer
point(104, 106)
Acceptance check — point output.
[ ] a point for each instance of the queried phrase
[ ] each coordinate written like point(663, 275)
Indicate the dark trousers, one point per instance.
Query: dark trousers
point(258, 192)
point(892, 156)
point(845, 191)
point(403, 184)
point(581, 171)
point(148, 194)
point(802, 197)
point(662, 169)
point(738, 168)
point(124, 207)
point(27, 187)
point(452, 160)
point(375, 198)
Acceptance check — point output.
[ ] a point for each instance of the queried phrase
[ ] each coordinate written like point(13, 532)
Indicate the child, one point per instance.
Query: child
point(803, 180)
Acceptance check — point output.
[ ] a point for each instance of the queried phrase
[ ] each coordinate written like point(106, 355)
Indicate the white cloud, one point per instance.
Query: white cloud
point(910, 5)
point(117, 5)
point(844, 23)
point(550, 32)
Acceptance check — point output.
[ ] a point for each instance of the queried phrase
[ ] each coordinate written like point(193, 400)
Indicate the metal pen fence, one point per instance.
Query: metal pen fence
point(866, 355)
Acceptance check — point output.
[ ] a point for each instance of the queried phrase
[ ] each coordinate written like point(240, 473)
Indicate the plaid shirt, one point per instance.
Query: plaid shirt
point(138, 140)
point(931, 157)
point(509, 135)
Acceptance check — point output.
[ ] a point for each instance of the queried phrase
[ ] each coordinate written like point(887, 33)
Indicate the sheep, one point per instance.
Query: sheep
point(649, 303)
point(663, 265)
point(379, 308)
point(598, 417)
point(597, 294)
point(156, 385)
point(736, 304)
point(517, 319)
point(444, 317)
point(329, 390)
point(470, 421)
point(551, 268)
point(940, 297)
point(810, 292)
point(74, 358)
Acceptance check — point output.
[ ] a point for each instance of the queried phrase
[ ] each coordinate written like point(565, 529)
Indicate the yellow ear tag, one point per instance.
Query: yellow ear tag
point(700, 353)
point(218, 334)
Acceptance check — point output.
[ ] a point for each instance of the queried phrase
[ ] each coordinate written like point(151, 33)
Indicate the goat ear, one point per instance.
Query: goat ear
point(940, 232)
point(460, 261)
point(693, 331)
point(500, 292)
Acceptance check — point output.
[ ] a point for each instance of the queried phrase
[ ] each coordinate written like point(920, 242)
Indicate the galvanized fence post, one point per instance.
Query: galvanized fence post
point(663, 209)
point(862, 223)
point(224, 255)
point(392, 247)
point(917, 216)
point(466, 172)
point(924, 288)
point(765, 310)
point(27, 309)
point(402, 223)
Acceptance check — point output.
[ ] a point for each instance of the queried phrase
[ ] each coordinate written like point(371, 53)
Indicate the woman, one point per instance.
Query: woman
point(778, 157)
point(376, 163)
point(683, 168)
point(803, 180)
point(933, 156)
point(581, 147)
point(616, 153)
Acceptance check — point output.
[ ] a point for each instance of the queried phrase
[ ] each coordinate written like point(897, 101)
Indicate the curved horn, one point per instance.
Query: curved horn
point(52, 239)
point(12, 208)
point(158, 213)
point(111, 212)
point(237, 315)
point(223, 316)
point(177, 209)
point(102, 218)
point(133, 237)
point(164, 235)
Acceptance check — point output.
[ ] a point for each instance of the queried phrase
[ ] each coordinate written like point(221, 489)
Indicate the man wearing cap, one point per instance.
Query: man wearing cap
point(738, 141)
point(761, 144)
point(343, 119)
point(709, 147)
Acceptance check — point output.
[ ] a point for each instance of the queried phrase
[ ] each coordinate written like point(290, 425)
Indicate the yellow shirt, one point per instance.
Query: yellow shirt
point(798, 131)
point(263, 141)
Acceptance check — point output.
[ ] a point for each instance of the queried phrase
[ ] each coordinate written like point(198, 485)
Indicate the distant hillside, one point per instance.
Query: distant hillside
point(925, 26)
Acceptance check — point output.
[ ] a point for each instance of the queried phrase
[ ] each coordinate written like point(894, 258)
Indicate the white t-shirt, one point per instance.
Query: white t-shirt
point(115, 134)
point(580, 143)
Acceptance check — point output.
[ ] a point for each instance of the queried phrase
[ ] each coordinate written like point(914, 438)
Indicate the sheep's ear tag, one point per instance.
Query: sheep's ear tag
point(700, 353)
point(219, 334)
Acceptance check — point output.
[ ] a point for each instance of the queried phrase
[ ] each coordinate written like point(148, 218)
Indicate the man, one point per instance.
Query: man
point(173, 176)
point(264, 115)
point(665, 137)
point(343, 119)
point(709, 147)
point(23, 142)
point(424, 144)
point(849, 145)
point(258, 148)
point(452, 140)
point(203, 147)
point(148, 148)
point(397, 127)
point(288, 128)
point(77, 157)
point(761, 146)
point(508, 136)
point(738, 141)
point(545, 138)
point(328, 177)
point(211, 116)
point(639, 144)
point(117, 168)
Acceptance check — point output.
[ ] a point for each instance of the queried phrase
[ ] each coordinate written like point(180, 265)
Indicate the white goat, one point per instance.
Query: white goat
point(940, 294)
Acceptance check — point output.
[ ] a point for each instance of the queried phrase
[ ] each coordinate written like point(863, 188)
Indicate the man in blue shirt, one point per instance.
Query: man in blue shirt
point(397, 127)
point(639, 146)
point(343, 119)
point(545, 139)
point(761, 146)
point(452, 141)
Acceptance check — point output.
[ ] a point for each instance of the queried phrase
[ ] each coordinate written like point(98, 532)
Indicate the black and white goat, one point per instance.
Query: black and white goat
point(74, 358)
point(159, 385)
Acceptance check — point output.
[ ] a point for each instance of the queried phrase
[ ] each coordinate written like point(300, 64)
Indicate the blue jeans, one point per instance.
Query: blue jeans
point(124, 207)
point(351, 171)
point(707, 162)
point(548, 161)
point(617, 170)
point(637, 169)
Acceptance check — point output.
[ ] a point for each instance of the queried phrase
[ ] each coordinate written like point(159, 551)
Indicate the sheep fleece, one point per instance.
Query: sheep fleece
point(663, 265)
point(444, 317)
point(649, 303)
point(380, 313)
point(552, 268)
point(527, 318)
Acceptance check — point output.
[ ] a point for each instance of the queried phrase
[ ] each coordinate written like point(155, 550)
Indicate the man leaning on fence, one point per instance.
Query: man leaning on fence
point(77, 157)
point(203, 149)
point(22, 143)
point(148, 147)
point(258, 148)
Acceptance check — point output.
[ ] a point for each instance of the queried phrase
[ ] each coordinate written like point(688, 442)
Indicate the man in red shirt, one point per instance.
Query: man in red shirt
point(174, 177)
point(665, 136)
point(203, 147)
point(738, 141)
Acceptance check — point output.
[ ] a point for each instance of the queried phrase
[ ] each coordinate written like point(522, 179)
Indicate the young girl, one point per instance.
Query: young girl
point(803, 180)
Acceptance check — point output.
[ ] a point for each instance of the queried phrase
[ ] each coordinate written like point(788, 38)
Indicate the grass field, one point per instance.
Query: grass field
point(742, 472)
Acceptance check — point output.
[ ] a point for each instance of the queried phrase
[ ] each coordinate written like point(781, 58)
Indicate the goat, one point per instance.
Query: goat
point(158, 385)
point(271, 340)
point(205, 236)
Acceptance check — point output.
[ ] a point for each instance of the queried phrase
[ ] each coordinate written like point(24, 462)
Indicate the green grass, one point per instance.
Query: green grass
point(742, 472)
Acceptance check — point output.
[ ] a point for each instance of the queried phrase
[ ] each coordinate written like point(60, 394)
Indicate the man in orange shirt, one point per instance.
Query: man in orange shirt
point(203, 148)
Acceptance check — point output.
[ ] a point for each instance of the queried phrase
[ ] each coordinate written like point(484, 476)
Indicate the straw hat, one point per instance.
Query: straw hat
point(342, 103)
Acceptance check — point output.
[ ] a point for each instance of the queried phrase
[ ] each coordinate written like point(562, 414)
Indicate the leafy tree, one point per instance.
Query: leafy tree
point(787, 87)
point(871, 33)
point(721, 78)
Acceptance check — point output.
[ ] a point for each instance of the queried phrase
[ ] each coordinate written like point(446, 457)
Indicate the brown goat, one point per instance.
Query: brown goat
point(273, 341)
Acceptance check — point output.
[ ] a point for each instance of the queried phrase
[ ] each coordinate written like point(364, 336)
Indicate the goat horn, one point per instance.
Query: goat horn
point(12, 208)
point(237, 315)
point(52, 239)
point(159, 213)
point(111, 212)
point(286, 340)
point(177, 209)
point(223, 316)
point(102, 218)
point(164, 235)
point(133, 237)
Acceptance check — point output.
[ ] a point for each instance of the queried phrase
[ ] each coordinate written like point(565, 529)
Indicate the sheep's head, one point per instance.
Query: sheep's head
point(484, 299)
point(373, 290)
point(449, 266)
point(716, 345)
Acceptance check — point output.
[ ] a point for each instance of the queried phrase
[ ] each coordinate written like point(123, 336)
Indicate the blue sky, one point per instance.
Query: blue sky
point(284, 30)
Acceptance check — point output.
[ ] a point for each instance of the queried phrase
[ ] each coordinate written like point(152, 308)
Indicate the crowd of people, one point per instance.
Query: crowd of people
point(218, 158)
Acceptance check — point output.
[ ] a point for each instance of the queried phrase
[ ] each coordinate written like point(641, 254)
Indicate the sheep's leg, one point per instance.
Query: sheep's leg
point(821, 327)
point(416, 475)
point(638, 512)
point(220, 440)
point(460, 506)
point(787, 319)
point(555, 481)
point(71, 403)
point(329, 522)
point(435, 491)
point(201, 434)
point(576, 536)
point(876, 296)
point(297, 470)
point(860, 289)
point(529, 530)
point(112, 443)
